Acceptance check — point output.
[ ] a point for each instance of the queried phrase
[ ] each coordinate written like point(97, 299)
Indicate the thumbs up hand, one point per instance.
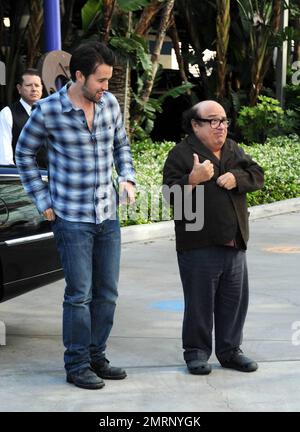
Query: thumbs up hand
point(201, 172)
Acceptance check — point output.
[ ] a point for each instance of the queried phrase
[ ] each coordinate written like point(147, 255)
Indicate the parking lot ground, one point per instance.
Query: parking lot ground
point(146, 337)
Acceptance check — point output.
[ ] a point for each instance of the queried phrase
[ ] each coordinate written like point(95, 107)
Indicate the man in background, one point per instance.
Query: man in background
point(14, 117)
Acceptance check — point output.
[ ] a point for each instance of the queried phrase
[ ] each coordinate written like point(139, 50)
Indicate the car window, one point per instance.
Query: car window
point(16, 207)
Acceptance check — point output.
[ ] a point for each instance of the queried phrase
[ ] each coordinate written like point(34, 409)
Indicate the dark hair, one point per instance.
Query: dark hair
point(187, 117)
point(29, 71)
point(88, 56)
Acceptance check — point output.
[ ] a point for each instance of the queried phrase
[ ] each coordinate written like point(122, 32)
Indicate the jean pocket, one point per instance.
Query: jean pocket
point(56, 220)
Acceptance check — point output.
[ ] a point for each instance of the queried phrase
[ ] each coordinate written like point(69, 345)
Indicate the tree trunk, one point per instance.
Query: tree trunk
point(165, 20)
point(146, 18)
point(187, 13)
point(120, 84)
point(67, 8)
point(34, 32)
point(172, 32)
point(223, 26)
point(12, 52)
point(296, 54)
point(108, 10)
point(263, 54)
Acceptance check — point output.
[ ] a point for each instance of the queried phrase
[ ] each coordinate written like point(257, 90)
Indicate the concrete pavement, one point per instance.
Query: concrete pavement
point(146, 337)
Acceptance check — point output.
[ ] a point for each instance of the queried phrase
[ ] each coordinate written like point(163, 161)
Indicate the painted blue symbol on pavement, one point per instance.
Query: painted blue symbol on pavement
point(168, 305)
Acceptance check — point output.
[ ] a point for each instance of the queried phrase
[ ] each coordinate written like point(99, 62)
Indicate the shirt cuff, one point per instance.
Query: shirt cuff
point(43, 204)
point(128, 178)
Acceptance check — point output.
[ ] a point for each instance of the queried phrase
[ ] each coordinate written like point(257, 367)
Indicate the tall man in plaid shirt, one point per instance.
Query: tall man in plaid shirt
point(83, 130)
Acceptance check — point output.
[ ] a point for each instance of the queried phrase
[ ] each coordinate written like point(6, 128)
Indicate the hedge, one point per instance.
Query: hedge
point(279, 157)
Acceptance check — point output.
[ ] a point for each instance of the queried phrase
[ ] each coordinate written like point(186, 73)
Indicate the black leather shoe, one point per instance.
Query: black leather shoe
point(198, 367)
point(103, 370)
point(240, 362)
point(85, 378)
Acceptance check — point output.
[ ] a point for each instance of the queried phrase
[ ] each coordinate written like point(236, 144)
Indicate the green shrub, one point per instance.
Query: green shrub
point(292, 96)
point(149, 158)
point(292, 101)
point(280, 159)
point(266, 119)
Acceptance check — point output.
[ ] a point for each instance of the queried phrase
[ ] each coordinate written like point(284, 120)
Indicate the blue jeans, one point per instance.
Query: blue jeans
point(215, 286)
point(90, 256)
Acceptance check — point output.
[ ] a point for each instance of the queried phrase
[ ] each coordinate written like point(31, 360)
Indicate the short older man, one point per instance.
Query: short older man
point(212, 260)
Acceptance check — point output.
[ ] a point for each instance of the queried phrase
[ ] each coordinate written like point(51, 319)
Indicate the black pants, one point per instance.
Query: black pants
point(215, 286)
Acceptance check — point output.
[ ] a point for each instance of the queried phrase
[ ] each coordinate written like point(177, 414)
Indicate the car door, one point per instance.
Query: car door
point(28, 252)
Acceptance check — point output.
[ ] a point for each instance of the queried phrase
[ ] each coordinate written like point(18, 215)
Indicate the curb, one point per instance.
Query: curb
point(136, 233)
point(275, 208)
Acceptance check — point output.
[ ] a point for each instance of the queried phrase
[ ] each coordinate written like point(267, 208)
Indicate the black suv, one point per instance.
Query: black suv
point(28, 255)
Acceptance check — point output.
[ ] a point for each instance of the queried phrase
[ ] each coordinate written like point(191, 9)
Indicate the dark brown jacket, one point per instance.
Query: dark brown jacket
point(225, 212)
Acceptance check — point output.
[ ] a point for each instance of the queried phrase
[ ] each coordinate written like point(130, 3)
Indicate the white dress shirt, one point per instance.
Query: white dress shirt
point(6, 124)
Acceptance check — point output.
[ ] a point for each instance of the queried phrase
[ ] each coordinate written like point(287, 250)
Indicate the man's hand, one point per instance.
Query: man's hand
point(201, 172)
point(127, 193)
point(227, 181)
point(49, 214)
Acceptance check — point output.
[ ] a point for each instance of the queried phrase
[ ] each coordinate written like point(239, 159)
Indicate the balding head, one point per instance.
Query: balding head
point(207, 108)
point(209, 124)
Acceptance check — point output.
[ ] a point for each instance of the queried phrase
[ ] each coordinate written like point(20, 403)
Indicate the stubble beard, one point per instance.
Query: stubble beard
point(89, 96)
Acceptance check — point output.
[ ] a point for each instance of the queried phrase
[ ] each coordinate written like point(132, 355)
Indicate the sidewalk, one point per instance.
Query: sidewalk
point(146, 337)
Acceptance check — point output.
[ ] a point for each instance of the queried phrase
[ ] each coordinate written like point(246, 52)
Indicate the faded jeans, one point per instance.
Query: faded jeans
point(90, 256)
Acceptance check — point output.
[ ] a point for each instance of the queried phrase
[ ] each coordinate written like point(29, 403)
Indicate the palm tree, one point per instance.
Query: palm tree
point(196, 21)
point(131, 40)
point(13, 43)
point(261, 22)
point(222, 26)
point(34, 30)
point(160, 36)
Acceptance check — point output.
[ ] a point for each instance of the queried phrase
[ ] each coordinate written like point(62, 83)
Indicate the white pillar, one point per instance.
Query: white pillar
point(2, 73)
point(282, 53)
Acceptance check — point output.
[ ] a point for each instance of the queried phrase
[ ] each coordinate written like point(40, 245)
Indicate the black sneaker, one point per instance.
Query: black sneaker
point(103, 370)
point(198, 367)
point(240, 362)
point(85, 378)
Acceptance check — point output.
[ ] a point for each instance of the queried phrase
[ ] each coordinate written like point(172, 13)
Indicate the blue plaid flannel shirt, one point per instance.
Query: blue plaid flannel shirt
point(80, 184)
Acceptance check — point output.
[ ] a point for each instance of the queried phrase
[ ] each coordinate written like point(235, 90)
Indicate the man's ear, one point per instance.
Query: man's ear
point(194, 124)
point(19, 88)
point(79, 76)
